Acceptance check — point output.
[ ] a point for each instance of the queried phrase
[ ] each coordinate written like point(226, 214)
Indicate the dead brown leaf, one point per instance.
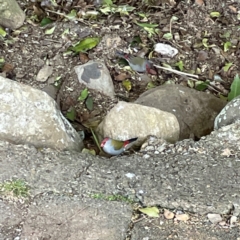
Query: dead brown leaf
point(168, 215)
point(83, 57)
point(199, 2)
point(122, 76)
point(233, 9)
point(7, 67)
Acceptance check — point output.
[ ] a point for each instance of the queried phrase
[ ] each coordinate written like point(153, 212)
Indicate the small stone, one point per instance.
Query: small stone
point(45, 72)
point(168, 214)
point(233, 221)
point(214, 218)
point(149, 148)
point(165, 49)
point(95, 75)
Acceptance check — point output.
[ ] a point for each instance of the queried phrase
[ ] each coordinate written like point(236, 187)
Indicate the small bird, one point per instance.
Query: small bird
point(138, 64)
point(115, 147)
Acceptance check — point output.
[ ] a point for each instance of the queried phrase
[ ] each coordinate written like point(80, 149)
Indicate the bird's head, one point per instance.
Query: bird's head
point(104, 141)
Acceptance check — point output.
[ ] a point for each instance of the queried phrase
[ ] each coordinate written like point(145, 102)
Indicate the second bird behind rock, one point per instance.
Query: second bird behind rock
point(138, 64)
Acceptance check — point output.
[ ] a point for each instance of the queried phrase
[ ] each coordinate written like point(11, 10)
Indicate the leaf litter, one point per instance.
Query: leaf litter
point(206, 39)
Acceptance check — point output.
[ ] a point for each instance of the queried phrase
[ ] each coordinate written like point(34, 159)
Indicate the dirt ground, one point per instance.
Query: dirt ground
point(206, 34)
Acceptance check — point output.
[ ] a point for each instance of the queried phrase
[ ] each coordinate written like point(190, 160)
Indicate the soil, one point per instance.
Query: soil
point(206, 35)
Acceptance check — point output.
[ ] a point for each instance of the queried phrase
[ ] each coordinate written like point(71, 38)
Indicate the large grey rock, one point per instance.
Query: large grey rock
point(95, 75)
point(60, 217)
point(199, 177)
point(229, 114)
point(11, 15)
point(30, 116)
point(194, 110)
point(128, 120)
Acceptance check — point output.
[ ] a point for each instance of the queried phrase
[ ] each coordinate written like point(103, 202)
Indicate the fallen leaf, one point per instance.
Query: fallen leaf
point(71, 115)
point(45, 21)
point(83, 57)
point(89, 151)
point(89, 103)
point(235, 88)
point(2, 32)
point(122, 76)
point(150, 211)
point(7, 67)
point(215, 14)
point(168, 215)
point(50, 31)
point(199, 2)
point(182, 217)
point(127, 84)
point(233, 9)
point(83, 95)
point(85, 44)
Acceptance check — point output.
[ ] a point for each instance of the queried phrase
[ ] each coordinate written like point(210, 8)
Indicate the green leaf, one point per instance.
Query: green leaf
point(89, 151)
point(205, 42)
point(147, 25)
point(2, 32)
point(127, 84)
point(190, 83)
point(108, 2)
point(125, 9)
point(72, 15)
point(89, 103)
point(227, 46)
point(215, 14)
point(71, 115)
point(151, 85)
point(106, 10)
point(2, 62)
point(84, 95)
point(85, 44)
point(45, 21)
point(235, 88)
point(50, 31)
point(168, 36)
point(227, 66)
point(201, 86)
point(180, 65)
point(174, 18)
point(166, 65)
point(150, 211)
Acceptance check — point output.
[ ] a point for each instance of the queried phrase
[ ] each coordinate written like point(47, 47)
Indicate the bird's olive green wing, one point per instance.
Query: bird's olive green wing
point(117, 144)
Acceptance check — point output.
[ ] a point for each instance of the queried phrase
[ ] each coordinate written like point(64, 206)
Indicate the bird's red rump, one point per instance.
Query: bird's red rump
point(126, 143)
point(129, 141)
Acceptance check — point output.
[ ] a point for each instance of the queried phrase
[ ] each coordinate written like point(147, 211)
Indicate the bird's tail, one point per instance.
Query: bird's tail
point(132, 140)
